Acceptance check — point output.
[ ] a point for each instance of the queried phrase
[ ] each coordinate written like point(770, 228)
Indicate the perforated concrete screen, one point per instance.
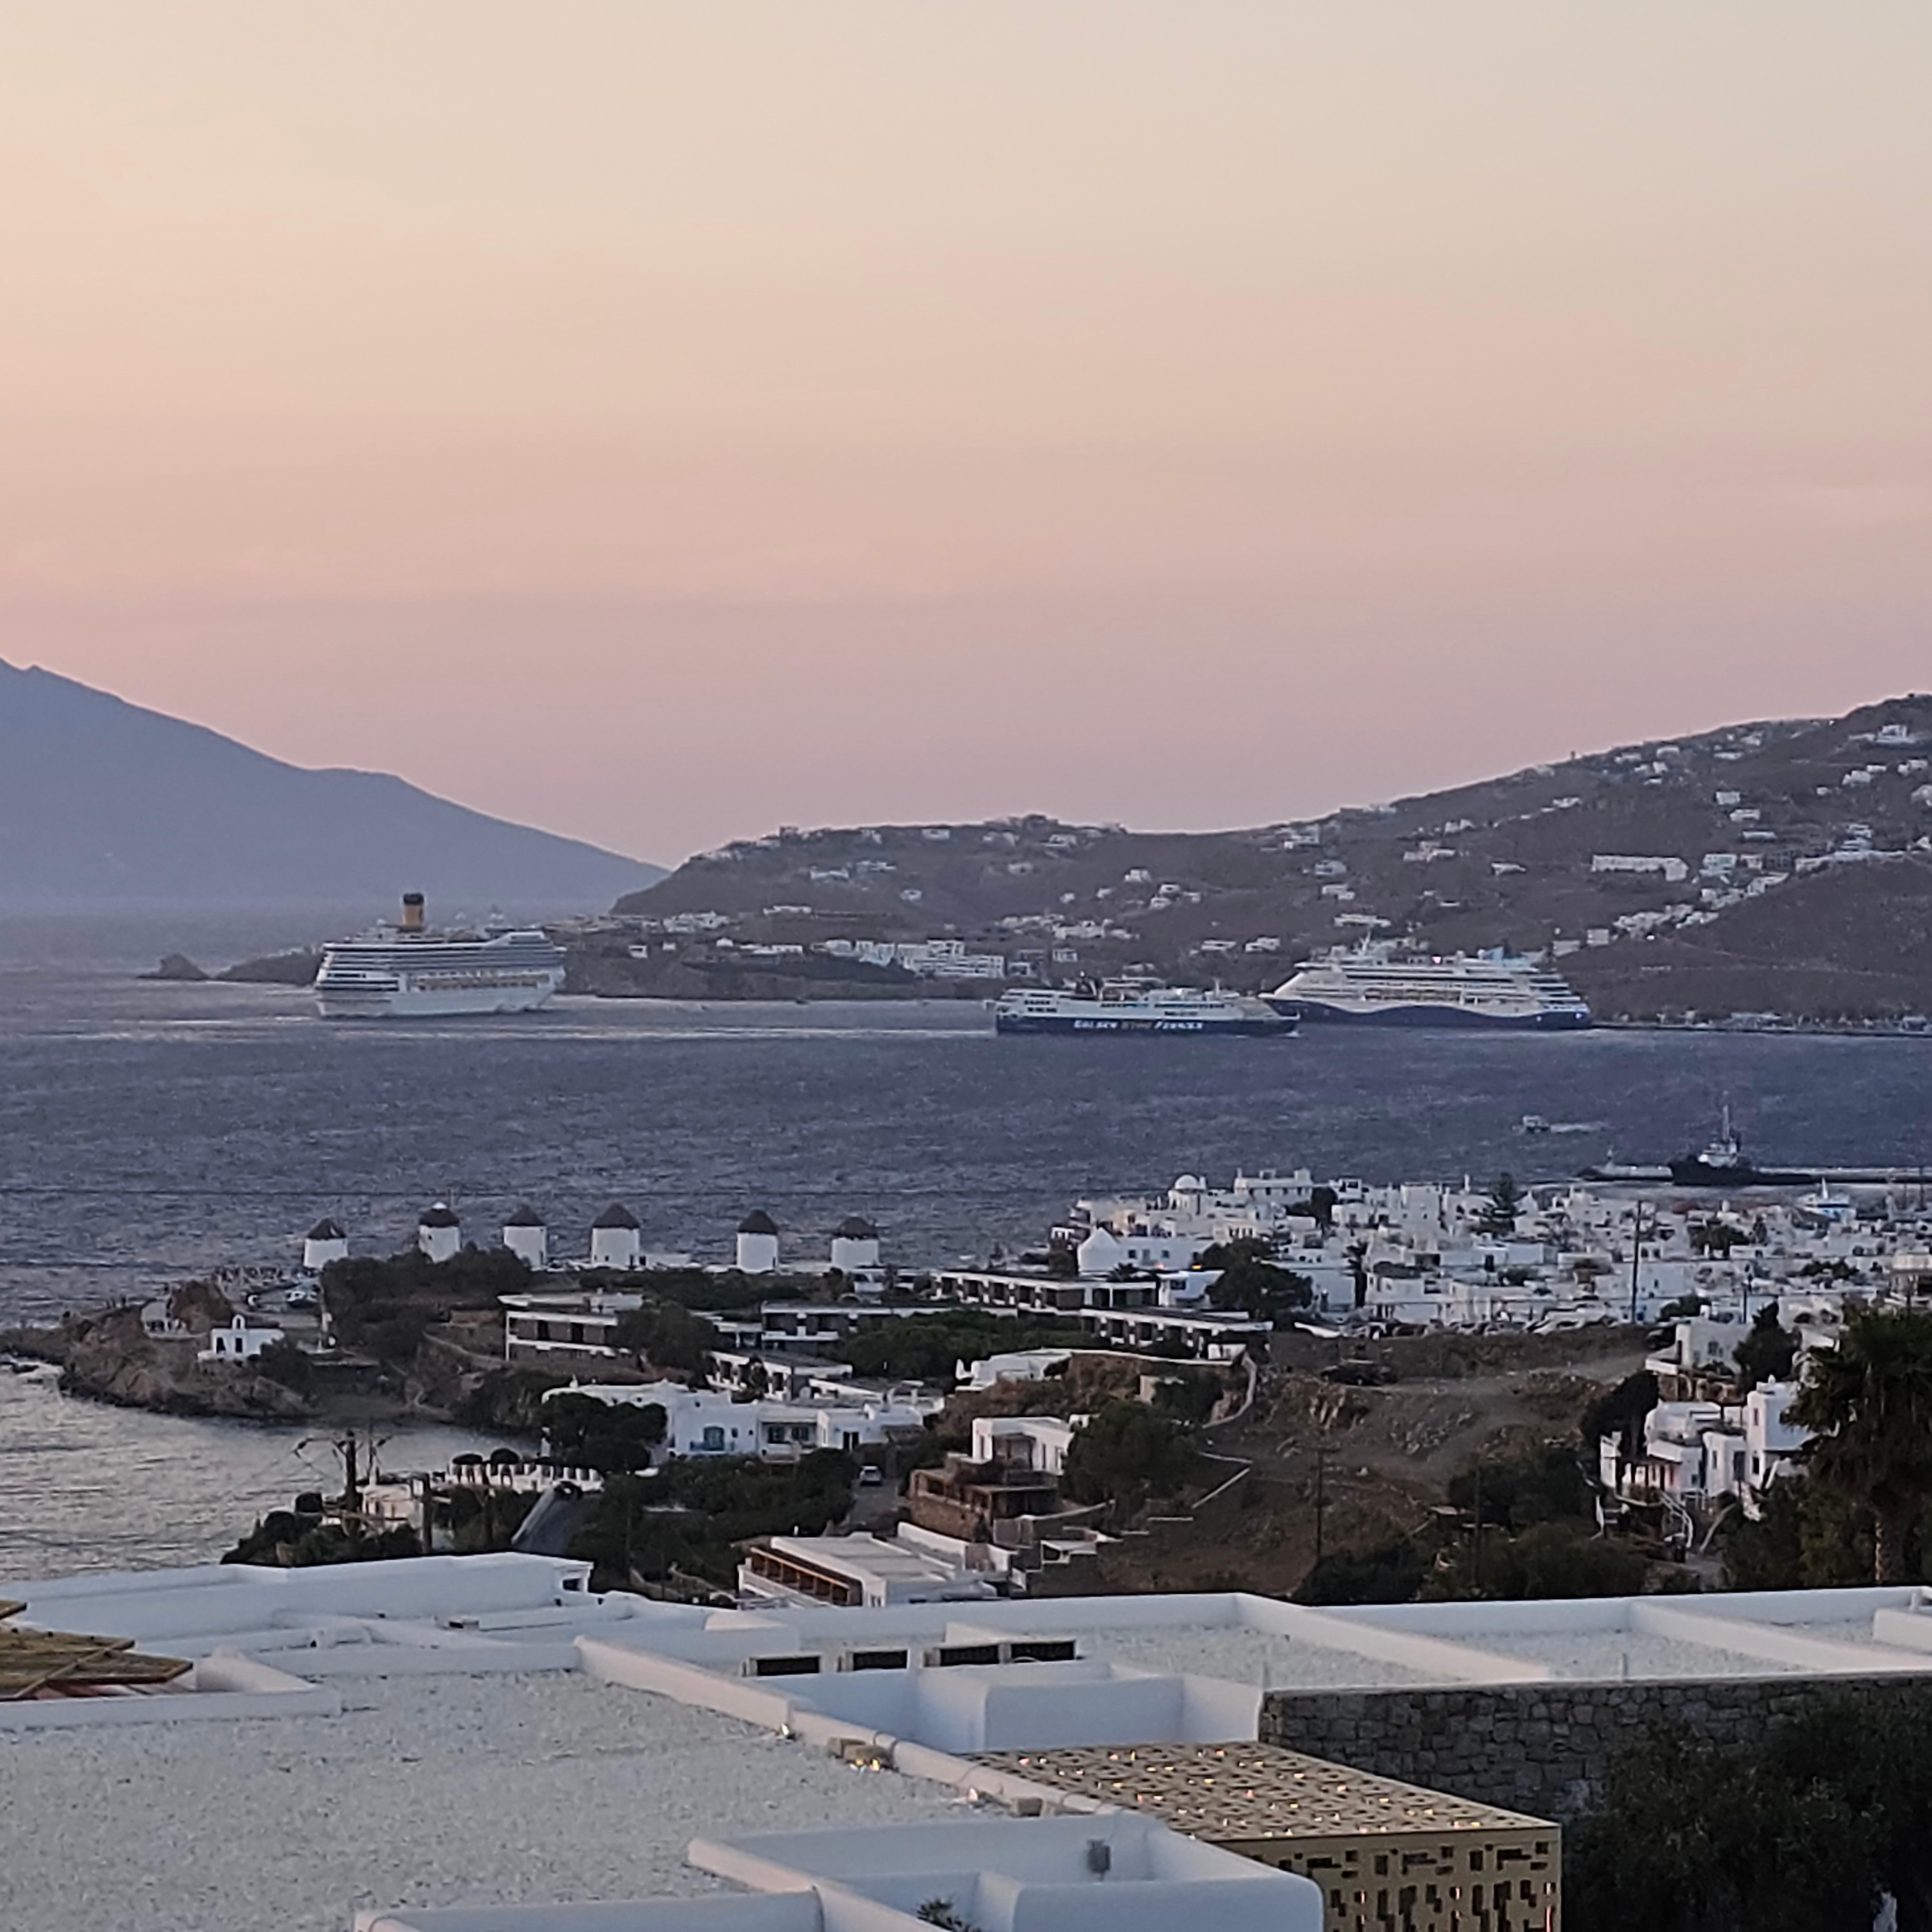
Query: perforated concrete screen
point(1389, 1857)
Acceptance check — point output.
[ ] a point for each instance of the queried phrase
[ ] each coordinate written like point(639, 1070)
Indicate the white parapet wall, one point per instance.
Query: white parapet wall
point(226, 1684)
point(1113, 1872)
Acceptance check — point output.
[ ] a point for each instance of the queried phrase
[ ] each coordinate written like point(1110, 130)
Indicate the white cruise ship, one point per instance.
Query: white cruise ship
point(1136, 1007)
point(408, 972)
point(1369, 987)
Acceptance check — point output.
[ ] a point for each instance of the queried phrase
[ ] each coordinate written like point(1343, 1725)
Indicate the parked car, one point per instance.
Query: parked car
point(871, 1477)
point(1359, 1375)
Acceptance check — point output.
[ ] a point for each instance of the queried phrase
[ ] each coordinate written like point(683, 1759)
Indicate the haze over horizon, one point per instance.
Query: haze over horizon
point(653, 423)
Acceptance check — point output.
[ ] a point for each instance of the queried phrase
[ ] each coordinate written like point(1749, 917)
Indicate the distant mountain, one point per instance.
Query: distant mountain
point(1783, 866)
point(105, 806)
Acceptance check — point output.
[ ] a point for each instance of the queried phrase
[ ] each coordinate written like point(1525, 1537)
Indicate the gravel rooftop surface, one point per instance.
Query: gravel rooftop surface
point(1598, 1655)
point(430, 1791)
point(1241, 1655)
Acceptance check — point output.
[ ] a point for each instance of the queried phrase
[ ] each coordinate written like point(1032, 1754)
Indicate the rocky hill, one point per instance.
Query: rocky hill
point(104, 805)
point(1780, 866)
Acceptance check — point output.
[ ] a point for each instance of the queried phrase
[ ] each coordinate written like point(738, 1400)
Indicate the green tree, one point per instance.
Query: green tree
point(1621, 1412)
point(1251, 1281)
point(1714, 1237)
point(1688, 1838)
point(1546, 1485)
point(692, 1514)
point(1804, 1537)
point(1124, 1451)
point(1389, 1573)
point(929, 1348)
point(1868, 1402)
point(1189, 1395)
point(1322, 1200)
point(667, 1337)
point(1549, 1559)
point(1767, 1352)
point(610, 1437)
point(1504, 1202)
point(282, 1361)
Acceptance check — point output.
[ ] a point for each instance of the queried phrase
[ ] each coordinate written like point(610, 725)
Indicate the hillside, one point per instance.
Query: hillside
point(104, 805)
point(1783, 866)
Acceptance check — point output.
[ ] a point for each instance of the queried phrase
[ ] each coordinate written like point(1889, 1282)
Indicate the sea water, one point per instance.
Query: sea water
point(152, 1131)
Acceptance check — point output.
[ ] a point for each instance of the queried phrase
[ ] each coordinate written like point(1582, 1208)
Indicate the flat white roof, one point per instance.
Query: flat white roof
point(889, 1562)
point(444, 1790)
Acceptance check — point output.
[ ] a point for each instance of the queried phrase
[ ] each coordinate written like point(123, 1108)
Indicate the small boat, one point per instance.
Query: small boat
point(1723, 1163)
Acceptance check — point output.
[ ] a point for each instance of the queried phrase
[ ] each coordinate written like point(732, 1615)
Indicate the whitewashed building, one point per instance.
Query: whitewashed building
point(526, 1237)
point(616, 1241)
point(239, 1340)
point(758, 1249)
point(325, 1242)
point(709, 1422)
point(855, 1246)
point(439, 1232)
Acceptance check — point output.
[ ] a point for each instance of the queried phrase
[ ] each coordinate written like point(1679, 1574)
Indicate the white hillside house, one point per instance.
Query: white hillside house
point(709, 1422)
point(240, 1341)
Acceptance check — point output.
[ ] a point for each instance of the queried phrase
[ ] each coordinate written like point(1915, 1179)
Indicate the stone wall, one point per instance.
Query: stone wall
point(1543, 1748)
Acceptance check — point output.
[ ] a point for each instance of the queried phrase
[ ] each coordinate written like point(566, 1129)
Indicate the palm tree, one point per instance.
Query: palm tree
point(1869, 1402)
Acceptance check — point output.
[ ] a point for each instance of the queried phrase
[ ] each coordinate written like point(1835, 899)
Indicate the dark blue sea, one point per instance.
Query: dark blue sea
point(148, 1131)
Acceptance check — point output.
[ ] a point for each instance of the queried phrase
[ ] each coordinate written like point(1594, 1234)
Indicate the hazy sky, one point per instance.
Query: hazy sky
point(657, 422)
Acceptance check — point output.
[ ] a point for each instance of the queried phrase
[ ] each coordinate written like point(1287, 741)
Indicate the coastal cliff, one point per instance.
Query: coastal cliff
point(110, 1357)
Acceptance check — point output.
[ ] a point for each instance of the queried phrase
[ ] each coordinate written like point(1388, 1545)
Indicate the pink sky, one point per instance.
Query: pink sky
point(657, 422)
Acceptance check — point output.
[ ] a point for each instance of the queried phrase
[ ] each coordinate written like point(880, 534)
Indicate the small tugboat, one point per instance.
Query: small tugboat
point(1723, 1163)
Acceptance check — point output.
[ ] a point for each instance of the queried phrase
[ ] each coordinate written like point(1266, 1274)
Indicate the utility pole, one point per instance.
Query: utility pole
point(1478, 1552)
point(1636, 1254)
point(1320, 1495)
point(352, 1488)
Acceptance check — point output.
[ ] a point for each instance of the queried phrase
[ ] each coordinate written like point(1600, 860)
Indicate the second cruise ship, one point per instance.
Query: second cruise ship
point(409, 972)
point(1369, 986)
point(1136, 1006)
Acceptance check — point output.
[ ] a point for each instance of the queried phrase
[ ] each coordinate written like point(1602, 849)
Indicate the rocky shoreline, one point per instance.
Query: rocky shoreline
point(109, 1358)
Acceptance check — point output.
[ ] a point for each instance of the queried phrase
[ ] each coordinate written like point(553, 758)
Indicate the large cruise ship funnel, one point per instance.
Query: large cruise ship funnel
point(412, 912)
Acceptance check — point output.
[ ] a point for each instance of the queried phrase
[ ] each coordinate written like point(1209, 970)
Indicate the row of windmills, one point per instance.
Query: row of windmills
point(616, 1241)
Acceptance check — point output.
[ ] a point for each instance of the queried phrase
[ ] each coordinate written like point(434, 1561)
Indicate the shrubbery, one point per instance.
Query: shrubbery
point(928, 1348)
point(667, 1337)
point(1526, 1529)
point(693, 1512)
point(385, 1308)
point(613, 1438)
point(1124, 1452)
point(1808, 1832)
